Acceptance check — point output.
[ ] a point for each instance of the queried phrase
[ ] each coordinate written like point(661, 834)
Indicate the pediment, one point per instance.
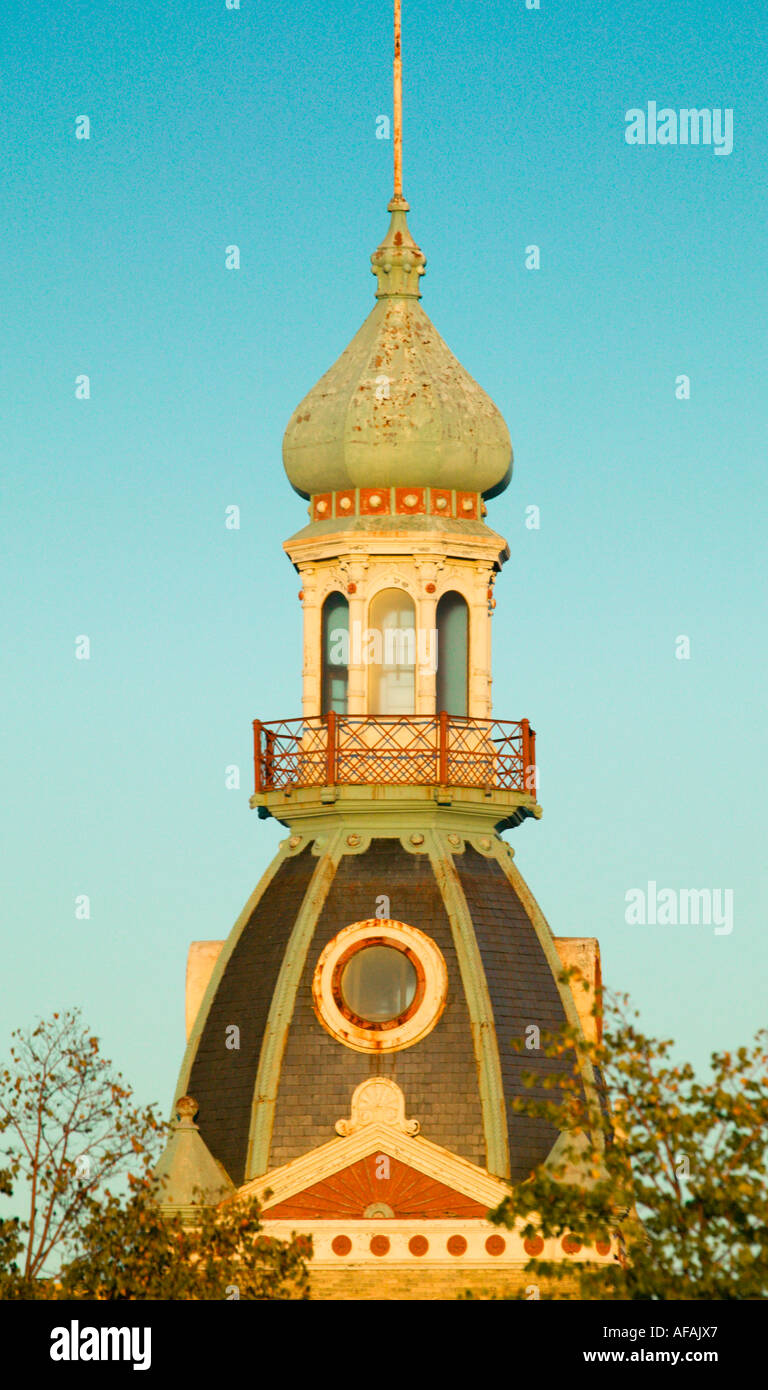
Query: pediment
point(346, 1176)
point(376, 1185)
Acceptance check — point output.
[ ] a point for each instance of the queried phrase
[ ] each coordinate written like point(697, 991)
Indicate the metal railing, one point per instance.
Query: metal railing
point(397, 750)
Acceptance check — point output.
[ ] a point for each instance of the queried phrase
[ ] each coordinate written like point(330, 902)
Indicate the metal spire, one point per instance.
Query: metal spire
point(398, 263)
point(398, 105)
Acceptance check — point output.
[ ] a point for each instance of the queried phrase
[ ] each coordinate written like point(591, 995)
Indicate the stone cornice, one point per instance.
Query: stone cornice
point(393, 810)
point(385, 536)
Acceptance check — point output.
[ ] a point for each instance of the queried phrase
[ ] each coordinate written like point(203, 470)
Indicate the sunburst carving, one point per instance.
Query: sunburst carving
point(350, 1192)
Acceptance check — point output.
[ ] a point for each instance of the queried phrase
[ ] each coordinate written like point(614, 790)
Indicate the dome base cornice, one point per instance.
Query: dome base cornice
point(316, 811)
point(396, 535)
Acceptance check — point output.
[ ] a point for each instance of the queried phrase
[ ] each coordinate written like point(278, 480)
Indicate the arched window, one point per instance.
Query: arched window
point(452, 653)
point(389, 651)
point(335, 654)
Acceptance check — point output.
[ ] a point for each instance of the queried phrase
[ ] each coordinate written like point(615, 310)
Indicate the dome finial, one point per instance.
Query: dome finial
point(398, 107)
point(398, 263)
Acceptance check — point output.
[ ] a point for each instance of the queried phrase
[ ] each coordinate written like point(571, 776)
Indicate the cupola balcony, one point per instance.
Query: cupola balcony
point(338, 750)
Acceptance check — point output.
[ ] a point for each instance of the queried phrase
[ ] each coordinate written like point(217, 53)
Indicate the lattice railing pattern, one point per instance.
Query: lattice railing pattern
point(407, 750)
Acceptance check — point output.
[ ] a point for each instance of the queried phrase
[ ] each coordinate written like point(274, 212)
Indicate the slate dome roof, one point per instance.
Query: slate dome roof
point(441, 1075)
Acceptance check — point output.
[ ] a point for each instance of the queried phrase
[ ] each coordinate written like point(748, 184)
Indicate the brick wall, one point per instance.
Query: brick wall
point(421, 1285)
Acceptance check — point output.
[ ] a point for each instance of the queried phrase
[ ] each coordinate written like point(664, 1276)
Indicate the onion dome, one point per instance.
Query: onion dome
point(397, 409)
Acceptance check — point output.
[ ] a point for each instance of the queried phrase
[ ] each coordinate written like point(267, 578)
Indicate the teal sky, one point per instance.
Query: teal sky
point(257, 127)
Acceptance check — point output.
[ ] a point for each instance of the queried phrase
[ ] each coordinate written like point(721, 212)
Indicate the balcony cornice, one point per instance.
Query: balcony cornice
point(383, 810)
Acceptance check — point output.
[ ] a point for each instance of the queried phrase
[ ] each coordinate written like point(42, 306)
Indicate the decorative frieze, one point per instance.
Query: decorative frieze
point(396, 501)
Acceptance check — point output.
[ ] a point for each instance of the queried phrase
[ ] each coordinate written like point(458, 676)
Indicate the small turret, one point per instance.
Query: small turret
point(187, 1174)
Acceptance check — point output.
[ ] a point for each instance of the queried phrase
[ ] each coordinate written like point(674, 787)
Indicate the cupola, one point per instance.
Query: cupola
point(360, 1043)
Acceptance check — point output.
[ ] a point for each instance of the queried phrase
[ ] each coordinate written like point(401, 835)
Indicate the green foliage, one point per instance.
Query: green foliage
point(69, 1125)
point(130, 1250)
point(11, 1245)
point(673, 1169)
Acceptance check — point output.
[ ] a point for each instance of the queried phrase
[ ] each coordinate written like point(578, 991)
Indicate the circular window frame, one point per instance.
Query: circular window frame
point(389, 1035)
point(354, 949)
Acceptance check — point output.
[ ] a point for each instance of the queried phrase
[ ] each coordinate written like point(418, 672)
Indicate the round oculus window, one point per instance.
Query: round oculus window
point(379, 985)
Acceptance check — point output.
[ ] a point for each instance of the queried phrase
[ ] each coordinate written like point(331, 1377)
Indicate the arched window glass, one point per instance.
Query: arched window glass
point(335, 654)
point(452, 653)
point(389, 650)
